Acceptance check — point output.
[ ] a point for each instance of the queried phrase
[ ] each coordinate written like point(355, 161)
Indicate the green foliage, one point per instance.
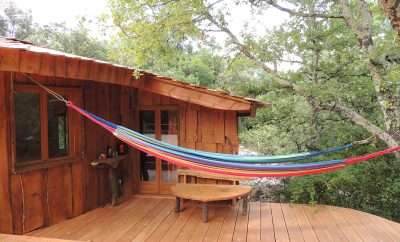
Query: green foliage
point(155, 31)
point(323, 56)
point(77, 40)
point(372, 187)
point(168, 36)
point(200, 68)
point(15, 22)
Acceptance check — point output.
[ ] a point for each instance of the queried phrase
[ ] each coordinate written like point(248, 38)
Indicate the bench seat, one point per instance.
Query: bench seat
point(206, 193)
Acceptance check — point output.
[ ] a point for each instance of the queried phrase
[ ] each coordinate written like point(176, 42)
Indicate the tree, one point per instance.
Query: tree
point(392, 11)
point(165, 26)
point(76, 40)
point(345, 84)
point(15, 22)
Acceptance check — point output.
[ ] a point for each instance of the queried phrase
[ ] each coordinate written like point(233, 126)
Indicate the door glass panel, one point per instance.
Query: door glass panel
point(27, 126)
point(58, 128)
point(147, 162)
point(169, 134)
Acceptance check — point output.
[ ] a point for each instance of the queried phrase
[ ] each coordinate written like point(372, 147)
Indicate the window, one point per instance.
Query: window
point(27, 126)
point(42, 126)
point(148, 162)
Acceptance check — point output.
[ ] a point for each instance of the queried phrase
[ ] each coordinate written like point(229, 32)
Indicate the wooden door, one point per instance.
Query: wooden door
point(156, 176)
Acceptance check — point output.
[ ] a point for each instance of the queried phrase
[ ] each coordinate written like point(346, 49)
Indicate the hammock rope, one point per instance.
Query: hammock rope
point(236, 165)
point(227, 168)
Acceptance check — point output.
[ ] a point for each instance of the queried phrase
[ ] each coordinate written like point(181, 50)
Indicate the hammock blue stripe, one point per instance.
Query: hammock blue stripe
point(211, 159)
point(252, 166)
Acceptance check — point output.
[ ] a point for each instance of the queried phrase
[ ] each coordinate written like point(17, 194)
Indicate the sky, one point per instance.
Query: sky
point(47, 11)
point(50, 11)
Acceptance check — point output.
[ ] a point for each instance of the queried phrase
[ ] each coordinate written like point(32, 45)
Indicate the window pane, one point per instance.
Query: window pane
point(58, 128)
point(147, 123)
point(169, 134)
point(27, 126)
point(147, 162)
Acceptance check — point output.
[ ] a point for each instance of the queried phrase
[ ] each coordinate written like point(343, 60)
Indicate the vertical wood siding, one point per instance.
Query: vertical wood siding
point(40, 198)
point(5, 196)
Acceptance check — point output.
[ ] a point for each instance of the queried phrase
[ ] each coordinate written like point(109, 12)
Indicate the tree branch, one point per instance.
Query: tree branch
point(339, 108)
point(295, 13)
point(361, 121)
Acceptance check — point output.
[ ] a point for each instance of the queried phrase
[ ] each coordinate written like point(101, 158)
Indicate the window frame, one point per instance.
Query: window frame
point(71, 93)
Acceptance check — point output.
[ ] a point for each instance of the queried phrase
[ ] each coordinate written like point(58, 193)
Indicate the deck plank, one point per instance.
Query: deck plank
point(187, 231)
point(292, 224)
point(281, 233)
point(228, 226)
point(216, 223)
point(240, 233)
point(317, 224)
point(117, 226)
point(164, 226)
point(155, 223)
point(343, 222)
point(254, 226)
point(267, 226)
point(160, 211)
point(356, 224)
point(202, 228)
point(385, 229)
point(306, 228)
point(154, 219)
point(22, 238)
point(179, 224)
point(371, 229)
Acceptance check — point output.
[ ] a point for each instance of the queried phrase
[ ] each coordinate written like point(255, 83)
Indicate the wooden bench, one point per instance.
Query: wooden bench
point(202, 177)
point(206, 193)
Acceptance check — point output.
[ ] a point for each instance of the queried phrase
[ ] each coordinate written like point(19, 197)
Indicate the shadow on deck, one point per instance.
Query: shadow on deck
point(154, 219)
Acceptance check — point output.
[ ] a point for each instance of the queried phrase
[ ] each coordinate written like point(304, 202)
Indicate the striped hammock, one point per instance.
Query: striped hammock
point(226, 164)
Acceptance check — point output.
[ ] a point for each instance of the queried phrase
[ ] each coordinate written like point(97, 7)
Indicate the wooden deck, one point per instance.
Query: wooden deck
point(154, 219)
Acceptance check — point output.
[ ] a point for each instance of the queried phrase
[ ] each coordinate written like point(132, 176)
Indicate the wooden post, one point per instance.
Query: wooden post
point(245, 205)
point(178, 205)
point(114, 185)
point(205, 212)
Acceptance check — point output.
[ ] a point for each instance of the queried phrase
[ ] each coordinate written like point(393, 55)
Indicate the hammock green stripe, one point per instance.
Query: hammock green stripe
point(235, 158)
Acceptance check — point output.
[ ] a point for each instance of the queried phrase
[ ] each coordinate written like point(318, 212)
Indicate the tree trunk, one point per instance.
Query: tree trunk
point(363, 32)
point(391, 9)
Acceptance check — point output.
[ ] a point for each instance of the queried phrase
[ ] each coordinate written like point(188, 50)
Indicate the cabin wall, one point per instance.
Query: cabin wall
point(45, 196)
point(6, 223)
point(116, 104)
point(42, 197)
point(199, 127)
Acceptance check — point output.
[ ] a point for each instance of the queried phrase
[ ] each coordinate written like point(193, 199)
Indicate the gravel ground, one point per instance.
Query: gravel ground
point(264, 189)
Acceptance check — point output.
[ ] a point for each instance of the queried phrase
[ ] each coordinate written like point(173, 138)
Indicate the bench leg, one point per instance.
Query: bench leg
point(178, 205)
point(205, 212)
point(245, 205)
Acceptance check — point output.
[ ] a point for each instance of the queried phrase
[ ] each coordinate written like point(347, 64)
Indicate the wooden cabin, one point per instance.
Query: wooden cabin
point(47, 179)
point(46, 150)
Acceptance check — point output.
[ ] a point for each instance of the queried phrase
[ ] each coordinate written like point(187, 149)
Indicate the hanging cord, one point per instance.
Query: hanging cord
point(68, 103)
point(371, 139)
point(51, 92)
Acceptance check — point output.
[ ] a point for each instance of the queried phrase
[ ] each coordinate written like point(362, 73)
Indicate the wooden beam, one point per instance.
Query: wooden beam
point(9, 59)
point(30, 62)
point(6, 225)
point(191, 94)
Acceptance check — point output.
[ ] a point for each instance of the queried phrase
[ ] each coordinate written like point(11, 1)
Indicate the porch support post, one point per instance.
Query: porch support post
point(245, 205)
point(205, 212)
point(178, 205)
